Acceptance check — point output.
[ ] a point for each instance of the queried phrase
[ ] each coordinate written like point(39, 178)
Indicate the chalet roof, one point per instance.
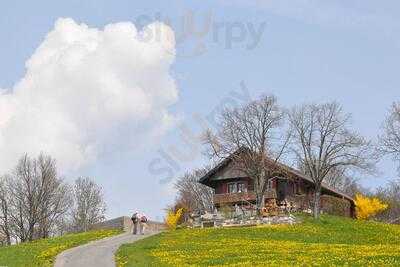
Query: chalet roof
point(205, 179)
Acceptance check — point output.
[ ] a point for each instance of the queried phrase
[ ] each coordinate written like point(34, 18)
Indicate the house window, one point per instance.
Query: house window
point(298, 189)
point(239, 187)
point(232, 188)
point(270, 184)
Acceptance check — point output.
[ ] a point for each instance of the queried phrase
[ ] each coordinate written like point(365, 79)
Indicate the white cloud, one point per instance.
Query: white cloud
point(88, 91)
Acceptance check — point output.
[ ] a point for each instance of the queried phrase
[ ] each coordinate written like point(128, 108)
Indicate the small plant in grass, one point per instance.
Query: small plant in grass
point(173, 218)
point(368, 207)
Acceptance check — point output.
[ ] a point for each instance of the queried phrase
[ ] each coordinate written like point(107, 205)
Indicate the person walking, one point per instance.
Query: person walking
point(142, 223)
point(135, 221)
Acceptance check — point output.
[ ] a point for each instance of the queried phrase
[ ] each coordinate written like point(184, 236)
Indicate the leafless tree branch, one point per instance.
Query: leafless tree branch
point(323, 143)
point(252, 136)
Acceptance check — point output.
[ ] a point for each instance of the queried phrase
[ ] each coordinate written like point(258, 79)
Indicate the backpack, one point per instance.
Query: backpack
point(143, 219)
point(134, 218)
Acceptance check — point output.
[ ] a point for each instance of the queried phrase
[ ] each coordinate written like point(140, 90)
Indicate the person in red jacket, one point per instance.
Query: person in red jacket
point(142, 223)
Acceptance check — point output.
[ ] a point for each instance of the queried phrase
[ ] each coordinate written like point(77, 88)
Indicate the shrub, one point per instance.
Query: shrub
point(367, 207)
point(173, 218)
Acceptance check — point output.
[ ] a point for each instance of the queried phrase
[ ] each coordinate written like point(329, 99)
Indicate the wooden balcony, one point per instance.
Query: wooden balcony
point(234, 197)
point(240, 197)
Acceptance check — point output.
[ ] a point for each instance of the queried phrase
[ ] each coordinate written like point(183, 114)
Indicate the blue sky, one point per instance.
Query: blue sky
point(308, 51)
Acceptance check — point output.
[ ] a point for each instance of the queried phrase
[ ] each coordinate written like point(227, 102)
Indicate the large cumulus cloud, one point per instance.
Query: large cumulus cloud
point(89, 91)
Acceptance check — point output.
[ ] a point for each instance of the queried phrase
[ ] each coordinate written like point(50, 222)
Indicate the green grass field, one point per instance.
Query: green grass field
point(43, 252)
point(332, 241)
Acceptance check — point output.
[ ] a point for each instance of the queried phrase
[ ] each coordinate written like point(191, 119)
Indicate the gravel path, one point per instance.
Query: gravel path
point(96, 254)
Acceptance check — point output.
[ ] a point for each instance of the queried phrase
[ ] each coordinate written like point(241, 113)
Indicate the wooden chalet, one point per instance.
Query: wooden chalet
point(291, 189)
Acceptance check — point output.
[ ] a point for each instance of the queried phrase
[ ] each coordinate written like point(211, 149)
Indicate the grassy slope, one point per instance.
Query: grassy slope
point(43, 252)
point(331, 241)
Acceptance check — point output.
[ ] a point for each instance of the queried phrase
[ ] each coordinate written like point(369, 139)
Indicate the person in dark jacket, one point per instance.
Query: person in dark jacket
point(135, 221)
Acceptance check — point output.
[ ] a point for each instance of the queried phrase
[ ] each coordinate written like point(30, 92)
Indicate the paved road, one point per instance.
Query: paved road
point(96, 254)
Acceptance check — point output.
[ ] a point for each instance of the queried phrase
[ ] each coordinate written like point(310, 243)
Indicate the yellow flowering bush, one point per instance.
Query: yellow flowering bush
point(173, 218)
point(368, 207)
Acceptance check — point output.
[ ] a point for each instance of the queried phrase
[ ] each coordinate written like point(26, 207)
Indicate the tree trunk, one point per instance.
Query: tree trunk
point(8, 240)
point(31, 232)
point(6, 231)
point(259, 202)
point(317, 199)
point(8, 236)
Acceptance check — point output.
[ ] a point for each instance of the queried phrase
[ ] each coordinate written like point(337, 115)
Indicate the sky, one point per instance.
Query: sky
point(120, 91)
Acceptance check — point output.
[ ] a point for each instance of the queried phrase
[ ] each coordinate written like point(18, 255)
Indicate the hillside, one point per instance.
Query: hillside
point(332, 241)
point(43, 252)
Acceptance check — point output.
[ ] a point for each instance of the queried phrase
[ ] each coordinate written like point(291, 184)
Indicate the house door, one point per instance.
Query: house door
point(281, 189)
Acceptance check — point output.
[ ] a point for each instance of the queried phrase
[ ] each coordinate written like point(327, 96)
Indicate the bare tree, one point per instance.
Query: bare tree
point(37, 197)
point(89, 206)
point(5, 209)
point(390, 194)
point(390, 140)
point(323, 143)
point(341, 179)
point(55, 205)
point(351, 187)
point(252, 137)
point(193, 195)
